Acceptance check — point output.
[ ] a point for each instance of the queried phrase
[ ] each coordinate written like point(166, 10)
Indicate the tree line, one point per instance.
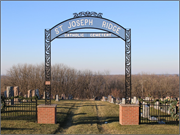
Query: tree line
point(87, 84)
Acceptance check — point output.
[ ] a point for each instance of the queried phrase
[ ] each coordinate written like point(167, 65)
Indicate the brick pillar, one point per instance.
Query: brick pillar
point(129, 114)
point(46, 114)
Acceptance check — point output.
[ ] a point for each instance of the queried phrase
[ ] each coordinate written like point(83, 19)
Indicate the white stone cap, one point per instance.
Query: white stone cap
point(43, 105)
point(132, 105)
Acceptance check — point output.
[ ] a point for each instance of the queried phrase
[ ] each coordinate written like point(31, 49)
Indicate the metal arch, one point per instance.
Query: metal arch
point(47, 67)
point(48, 63)
point(128, 66)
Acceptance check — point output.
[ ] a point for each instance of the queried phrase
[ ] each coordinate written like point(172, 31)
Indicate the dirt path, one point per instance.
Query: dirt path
point(99, 121)
point(67, 121)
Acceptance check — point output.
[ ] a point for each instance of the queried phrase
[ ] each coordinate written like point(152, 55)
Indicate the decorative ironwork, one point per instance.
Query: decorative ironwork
point(47, 66)
point(87, 13)
point(161, 112)
point(128, 66)
point(26, 108)
point(56, 28)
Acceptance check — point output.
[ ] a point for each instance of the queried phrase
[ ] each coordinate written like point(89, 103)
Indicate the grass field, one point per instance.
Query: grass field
point(84, 117)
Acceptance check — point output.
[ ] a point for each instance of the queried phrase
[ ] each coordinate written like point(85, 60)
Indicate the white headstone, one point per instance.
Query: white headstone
point(57, 98)
point(123, 100)
point(137, 101)
point(145, 111)
point(156, 105)
point(134, 100)
point(44, 95)
point(33, 93)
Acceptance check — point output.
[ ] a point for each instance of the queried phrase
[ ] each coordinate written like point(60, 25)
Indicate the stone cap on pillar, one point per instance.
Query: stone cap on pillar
point(43, 105)
point(129, 105)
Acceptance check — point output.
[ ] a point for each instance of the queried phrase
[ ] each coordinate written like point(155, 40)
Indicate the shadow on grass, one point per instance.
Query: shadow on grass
point(93, 120)
point(16, 129)
point(30, 118)
point(93, 105)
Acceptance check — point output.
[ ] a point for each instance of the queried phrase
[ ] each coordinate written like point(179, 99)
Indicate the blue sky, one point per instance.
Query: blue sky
point(154, 28)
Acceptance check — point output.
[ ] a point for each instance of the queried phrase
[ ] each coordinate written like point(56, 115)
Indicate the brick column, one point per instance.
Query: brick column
point(128, 114)
point(46, 114)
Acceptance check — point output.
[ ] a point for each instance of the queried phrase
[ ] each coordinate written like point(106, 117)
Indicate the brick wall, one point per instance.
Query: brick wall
point(129, 114)
point(46, 114)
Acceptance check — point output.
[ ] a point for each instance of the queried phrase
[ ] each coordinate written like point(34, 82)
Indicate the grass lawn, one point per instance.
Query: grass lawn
point(84, 117)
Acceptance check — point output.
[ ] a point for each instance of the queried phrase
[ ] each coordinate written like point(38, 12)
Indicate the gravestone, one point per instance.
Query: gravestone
point(44, 95)
point(134, 100)
point(156, 105)
point(5, 94)
point(145, 111)
point(33, 93)
point(37, 93)
point(137, 101)
point(57, 98)
point(16, 93)
point(63, 96)
point(109, 98)
point(10, 93)
point(70, 97)
point(131, 100)
point(103, 98)
point(114, 100)
point(144, 103)
point(153, 118)
point(29, 93)
point(117, 100)
point(123, 100)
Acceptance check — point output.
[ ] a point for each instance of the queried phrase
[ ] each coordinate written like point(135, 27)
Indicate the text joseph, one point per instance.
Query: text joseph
point(84, 22)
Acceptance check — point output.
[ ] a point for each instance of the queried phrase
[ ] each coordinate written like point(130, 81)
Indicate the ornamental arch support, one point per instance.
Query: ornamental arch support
point(87, 20)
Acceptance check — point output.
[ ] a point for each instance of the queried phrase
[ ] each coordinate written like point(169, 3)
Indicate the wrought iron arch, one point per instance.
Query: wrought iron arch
point(101, 24)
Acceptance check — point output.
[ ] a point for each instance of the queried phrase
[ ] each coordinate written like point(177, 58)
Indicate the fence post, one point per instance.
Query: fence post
point(176, 113)
point(139, 112)
point(36, 110)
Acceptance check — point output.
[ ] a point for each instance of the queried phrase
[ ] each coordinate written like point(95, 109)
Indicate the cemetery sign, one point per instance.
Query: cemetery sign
point(87, 20)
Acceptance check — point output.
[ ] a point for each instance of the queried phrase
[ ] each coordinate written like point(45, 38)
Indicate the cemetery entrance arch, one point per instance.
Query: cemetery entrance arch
point(87, 20)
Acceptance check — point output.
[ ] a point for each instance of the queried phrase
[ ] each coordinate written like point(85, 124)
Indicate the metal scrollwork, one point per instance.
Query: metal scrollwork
point(87, 13)
point(128, 66)
point(47, 66)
